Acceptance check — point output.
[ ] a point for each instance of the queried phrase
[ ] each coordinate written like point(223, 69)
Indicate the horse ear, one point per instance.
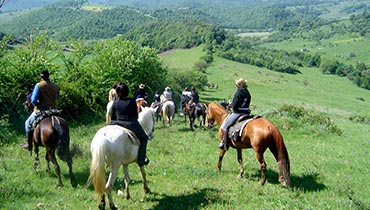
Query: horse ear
point(155, 109)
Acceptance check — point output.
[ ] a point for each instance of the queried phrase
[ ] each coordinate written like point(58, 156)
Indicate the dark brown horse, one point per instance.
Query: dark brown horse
point(52, 132)
point(258, 134)
point(195, 111)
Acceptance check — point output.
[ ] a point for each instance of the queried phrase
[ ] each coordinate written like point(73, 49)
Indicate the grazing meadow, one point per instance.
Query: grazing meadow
point(328, 159)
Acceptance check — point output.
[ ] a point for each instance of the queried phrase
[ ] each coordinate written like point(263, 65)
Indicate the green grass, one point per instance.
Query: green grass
point(182, 58)
point(336, 48)
point(327, 171)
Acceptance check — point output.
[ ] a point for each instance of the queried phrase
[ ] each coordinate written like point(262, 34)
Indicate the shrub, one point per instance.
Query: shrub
point(292, 116)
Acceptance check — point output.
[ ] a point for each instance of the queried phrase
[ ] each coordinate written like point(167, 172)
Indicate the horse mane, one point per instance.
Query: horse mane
point(220, 109)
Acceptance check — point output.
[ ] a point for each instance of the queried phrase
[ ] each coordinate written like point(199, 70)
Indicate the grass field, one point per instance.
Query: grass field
point(327, 171)
point(341, 48)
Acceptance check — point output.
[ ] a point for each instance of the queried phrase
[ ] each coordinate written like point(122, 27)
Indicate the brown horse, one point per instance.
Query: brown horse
point(195, 111)
point(53, 133)
point(140, 102)
point(258, 134)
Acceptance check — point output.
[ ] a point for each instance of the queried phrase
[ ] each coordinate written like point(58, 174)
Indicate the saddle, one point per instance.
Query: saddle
point(236, 130)
point(43, 114)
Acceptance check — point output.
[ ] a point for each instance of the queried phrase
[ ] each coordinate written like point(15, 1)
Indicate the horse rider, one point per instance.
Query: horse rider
point(113, 93)
point(141, 92)
point(44, 97)
point(185, 96)
point(224, 104)
point(124, 113)
point(167, 93)
point(194, 97)
point(240, 105)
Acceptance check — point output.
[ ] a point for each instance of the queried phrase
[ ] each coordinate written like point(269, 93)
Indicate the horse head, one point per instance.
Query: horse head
point(147, 119)
point(28, 106)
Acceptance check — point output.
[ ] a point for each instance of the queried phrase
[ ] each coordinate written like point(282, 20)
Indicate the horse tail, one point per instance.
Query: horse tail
point(62, 130)
point(97, 171)
point(281, 156)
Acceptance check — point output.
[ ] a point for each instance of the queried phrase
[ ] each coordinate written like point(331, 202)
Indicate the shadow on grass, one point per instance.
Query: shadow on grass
point(305, 183)
point(198, 199)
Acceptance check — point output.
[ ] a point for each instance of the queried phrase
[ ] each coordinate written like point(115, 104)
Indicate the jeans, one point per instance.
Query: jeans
point(229, 120)
point(29, 122)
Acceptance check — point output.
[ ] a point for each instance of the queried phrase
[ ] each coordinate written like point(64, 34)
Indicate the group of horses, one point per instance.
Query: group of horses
point(114, 146)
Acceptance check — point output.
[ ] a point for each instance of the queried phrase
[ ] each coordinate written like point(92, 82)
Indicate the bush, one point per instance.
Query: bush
point(292, 116)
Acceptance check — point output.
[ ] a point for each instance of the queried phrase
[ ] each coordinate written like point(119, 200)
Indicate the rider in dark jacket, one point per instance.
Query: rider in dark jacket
point(124, 113)
point(194, 96)
point(240, 106)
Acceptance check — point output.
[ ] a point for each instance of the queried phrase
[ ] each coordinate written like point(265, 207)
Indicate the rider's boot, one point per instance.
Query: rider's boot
point(142, 160)
point(224, 142)
point(28, 145)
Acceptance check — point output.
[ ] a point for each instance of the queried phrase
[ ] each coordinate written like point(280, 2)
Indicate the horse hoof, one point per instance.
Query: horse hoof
point(147, 191)
point(101, 206)
point(74, 184)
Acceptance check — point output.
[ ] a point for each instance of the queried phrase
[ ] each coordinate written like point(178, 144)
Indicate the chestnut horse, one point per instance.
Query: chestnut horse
point(140, 102)
point(258, 134)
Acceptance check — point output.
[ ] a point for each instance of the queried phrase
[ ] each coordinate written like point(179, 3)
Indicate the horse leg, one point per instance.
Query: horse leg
point(102, 202)
point(263, 165)
point(71, 175)
point(127, 182)
point(47, 163)
point(53, 159)
point(145, 183)
point(240, 161)
point(37, 160)
point(219, 164)
point(109, 186)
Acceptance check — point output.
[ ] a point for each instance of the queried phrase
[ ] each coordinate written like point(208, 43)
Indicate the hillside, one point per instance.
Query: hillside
point(329, 94)
point(248, 15)
point(327, 170)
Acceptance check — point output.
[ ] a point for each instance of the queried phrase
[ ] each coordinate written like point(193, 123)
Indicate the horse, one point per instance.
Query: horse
point(184, 100)
point(140, 102)
point(158, 113)
point(258, 134)
point(115, 146)
point(52, 132)
point(168, 112)
point(195, 112)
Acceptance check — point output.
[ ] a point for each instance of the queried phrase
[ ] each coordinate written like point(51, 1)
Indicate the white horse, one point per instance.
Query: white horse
point(115, 146)
point(168, 112)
